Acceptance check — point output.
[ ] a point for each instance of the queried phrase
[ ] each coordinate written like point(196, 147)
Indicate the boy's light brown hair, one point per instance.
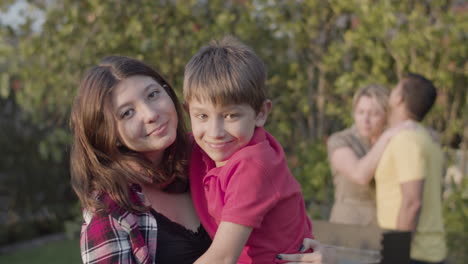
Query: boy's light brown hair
point(225, 72)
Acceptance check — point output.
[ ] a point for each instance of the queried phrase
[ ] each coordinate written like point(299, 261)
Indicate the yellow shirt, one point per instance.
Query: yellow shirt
point(413, 155)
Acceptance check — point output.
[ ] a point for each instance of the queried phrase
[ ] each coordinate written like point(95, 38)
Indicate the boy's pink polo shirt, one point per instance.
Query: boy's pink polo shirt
point(255, 188)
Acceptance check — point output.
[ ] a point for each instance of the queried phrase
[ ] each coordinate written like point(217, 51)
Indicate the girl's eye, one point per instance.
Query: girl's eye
point(126, 114)
point(153, 94)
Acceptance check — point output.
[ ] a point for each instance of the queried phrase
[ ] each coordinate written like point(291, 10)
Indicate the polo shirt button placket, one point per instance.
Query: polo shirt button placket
point(206, 183)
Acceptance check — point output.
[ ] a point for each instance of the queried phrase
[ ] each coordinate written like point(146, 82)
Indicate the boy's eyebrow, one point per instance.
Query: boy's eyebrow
point(223, 108)
point(197, 108)
point(231, 106)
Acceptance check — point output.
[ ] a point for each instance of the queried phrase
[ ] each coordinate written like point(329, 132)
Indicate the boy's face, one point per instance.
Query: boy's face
point(395, 101)
point(222, 130)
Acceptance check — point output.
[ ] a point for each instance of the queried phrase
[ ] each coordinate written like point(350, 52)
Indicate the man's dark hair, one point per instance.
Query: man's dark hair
point(419, 95)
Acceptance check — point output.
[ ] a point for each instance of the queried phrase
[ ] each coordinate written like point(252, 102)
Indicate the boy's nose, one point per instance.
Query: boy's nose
point(216, 129)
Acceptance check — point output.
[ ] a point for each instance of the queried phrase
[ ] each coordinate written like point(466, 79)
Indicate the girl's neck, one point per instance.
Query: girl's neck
point(154, 157)
point(372, 140)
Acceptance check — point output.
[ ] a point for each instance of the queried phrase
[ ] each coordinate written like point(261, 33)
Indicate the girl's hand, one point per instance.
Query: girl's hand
point(303, 258)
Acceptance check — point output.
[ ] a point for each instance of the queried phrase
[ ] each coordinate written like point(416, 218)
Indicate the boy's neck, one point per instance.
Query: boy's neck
point(221, 163)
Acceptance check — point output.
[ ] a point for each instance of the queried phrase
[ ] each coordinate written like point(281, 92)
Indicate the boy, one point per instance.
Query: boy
point(241, 186)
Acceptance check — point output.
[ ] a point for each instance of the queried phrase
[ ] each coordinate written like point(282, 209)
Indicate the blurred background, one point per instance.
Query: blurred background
point(317, 52)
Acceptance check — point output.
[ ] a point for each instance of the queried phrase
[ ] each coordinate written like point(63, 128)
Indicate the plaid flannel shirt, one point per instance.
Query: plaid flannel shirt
point(117, 235)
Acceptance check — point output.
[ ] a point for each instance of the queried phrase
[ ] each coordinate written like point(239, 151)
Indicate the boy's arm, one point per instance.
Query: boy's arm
point(227, 244)
point(411, 165)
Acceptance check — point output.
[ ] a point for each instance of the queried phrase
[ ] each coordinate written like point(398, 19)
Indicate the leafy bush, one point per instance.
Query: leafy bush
point(456, 222)
point(309, 164)
point(34, 183)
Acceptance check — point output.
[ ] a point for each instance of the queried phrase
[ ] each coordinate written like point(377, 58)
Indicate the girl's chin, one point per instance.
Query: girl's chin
point(365, 134)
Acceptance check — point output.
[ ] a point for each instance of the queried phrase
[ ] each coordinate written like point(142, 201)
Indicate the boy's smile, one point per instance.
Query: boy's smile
point(222, 130)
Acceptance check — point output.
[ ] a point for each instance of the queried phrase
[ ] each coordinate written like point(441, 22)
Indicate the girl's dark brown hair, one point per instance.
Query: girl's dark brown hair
point(99, 163)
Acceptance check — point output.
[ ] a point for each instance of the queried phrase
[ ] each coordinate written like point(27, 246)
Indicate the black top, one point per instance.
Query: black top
point(177, 244)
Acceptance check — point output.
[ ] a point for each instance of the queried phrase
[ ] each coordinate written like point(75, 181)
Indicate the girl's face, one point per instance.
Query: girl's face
point(146, 116)
point(369, 117)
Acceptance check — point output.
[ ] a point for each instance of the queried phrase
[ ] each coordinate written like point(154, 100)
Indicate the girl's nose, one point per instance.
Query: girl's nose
point(150, 114)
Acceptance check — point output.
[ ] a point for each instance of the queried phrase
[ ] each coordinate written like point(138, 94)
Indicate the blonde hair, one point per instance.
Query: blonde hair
point(375, 91)
point(224, 72)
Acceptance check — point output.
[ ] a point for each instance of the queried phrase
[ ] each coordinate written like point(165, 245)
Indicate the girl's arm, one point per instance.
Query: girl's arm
point(316, 257)
point(227, 244)
point(361, 171)
point(103, 240)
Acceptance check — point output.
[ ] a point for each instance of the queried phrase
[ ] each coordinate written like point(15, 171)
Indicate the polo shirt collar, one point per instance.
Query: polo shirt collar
point(258, 137)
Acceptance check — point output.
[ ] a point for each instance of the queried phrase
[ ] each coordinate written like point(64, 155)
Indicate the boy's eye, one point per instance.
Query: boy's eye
point(201, 116)
point(126, 114)
point(231, 116)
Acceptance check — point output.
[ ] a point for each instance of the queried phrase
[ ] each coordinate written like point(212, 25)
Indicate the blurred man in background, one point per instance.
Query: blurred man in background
point(408, 177)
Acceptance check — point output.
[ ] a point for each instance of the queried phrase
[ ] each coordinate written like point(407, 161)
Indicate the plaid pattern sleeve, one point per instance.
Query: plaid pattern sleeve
point(118, 236)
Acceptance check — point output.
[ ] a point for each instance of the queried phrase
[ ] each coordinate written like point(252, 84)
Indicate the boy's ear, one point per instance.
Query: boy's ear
point(399, 96)
point(262, 115)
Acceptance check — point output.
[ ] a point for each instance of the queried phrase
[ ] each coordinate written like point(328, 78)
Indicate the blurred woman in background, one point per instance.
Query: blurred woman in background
point(354, 154)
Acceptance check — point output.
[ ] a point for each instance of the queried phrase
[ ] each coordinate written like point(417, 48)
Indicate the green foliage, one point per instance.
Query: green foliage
point(27, 229)
point(317, 52)
point(73, 226)
point(310, 167)
point(456, 219)
point(34, 186)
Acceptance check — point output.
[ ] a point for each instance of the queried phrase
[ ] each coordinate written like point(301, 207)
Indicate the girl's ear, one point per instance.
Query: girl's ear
point(186, 107)
point(262, 115)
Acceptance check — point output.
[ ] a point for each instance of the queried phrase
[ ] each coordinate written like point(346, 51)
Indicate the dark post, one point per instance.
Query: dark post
point(395, 247)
